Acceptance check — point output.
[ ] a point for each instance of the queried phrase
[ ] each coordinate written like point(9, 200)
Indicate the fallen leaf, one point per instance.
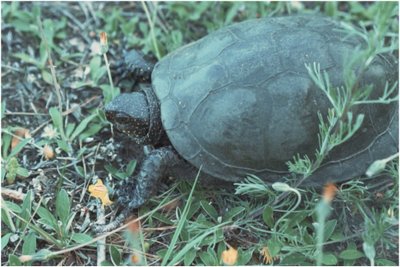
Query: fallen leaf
point(19, 134)
point(99, 190)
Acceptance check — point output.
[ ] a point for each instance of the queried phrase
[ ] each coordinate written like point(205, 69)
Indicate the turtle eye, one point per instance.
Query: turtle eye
point(123, 119)
point(129, 113)
point(132, 126)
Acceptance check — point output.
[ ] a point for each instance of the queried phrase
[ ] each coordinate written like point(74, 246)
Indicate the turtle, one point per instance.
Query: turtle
point(241, 102)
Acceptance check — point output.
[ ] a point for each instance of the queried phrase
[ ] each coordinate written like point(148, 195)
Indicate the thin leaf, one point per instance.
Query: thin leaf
point(22, 172)
point(19, 147)
point(4, 240)
point(131, 167)
point(189, 257)
point(233, 212)
point(115, 256)
point(329, 259)
point(92, 130)
point(29, 246)
point(47, 77)
point(63, 206)
point(194, 242)
point(81, 238)
point(268, 216)
point(329, 228)
point(7, 219)
point(27, 59)
point(26, 208)
point(57, 120)
point(351, 254)
point(5, 143)
point(209, 209)
point(48, 218)
point(14, 260)
point(42, 233)
point(82, 126)
point(180, 226)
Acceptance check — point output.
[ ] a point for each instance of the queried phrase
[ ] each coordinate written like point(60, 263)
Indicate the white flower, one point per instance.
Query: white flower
point(95, 48)
point(49, 132)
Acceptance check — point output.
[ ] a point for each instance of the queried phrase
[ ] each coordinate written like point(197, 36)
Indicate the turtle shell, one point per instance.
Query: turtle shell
point(240, 100)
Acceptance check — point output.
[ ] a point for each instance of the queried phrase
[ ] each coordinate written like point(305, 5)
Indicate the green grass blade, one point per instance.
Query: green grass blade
point(181, 254)
point(180, 224)
point(82, 126)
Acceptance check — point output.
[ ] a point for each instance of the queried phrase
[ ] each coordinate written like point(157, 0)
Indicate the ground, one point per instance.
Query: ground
point(56, 143)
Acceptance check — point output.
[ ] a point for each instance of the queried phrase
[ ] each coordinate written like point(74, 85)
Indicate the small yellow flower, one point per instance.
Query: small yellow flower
point(99, 190)
point(229, 256)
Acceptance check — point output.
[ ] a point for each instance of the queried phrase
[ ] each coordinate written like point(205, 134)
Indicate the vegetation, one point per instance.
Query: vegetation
point(57, 147)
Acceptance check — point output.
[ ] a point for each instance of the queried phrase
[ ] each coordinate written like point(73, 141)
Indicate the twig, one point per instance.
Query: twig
point(25, 114)
point(101, 244)
point(66, 13)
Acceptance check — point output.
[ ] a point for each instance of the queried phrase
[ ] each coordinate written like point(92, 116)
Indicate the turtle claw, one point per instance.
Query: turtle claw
point(134, 66)
point(124, 191)
point(104, 228)
point(128, 197)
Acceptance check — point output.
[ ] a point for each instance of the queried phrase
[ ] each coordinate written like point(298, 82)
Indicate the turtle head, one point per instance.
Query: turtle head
point(136, 114)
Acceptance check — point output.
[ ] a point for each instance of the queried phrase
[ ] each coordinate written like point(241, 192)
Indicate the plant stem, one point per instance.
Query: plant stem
point(151, 23)
point(292, 209)
point(109, 75)
point(52, 69)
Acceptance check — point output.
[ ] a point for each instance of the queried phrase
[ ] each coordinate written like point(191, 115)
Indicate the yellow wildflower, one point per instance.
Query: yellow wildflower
point(229, 256)
point(99, 190)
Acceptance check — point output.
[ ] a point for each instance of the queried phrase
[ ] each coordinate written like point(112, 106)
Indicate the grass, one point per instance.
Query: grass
point(54, 85)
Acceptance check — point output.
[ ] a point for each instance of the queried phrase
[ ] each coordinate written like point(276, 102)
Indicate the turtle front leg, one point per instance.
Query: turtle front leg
point(137, 191)
point(133, 193)
point(134, 66)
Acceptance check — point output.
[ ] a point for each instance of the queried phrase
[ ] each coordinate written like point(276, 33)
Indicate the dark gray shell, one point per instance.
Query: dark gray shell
point(240, 100)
